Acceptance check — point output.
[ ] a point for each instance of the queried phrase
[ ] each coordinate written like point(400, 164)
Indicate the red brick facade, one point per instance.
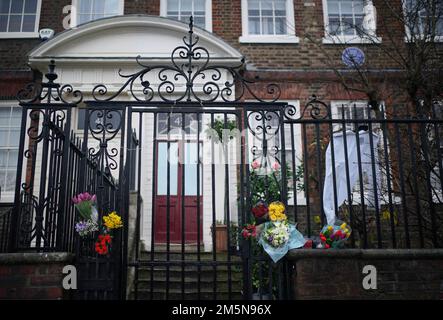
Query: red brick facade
point(299, 67)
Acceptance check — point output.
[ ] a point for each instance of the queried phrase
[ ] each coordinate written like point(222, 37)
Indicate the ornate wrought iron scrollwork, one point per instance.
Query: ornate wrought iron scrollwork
point(316, 108)
point(264, 126)
point(190, 64)
point(49, 91)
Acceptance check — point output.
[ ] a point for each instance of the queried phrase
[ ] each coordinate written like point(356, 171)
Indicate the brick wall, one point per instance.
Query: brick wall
point(337, 274)
point(32, 275)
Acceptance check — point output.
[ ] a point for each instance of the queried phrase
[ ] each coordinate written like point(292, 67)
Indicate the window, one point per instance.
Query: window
point(181, 10)
point(10, 120)
point(89, 10)
point(352, 110)
point(269, 21)
point(19, 18)
point(349, 21)
point(424, 18)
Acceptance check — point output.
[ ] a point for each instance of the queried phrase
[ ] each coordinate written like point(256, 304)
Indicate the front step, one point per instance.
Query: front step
point(192, 276)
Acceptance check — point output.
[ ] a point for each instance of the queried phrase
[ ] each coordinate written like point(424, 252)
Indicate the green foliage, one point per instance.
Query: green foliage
point(218, 126)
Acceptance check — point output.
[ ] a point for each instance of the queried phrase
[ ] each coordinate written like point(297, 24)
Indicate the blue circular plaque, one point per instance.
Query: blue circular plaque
point(353, 57)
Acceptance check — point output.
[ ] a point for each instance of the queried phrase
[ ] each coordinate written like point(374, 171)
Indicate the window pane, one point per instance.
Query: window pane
point(83, 18)
point(266, 8)
point(85, 6)
point(358, 6)
point(199, 21)
point(186, 5)
point(10, 181)
point(348, 25)
point(346, 7)
point(3, 22)
point(162, 164)
point(3, 137)
point(4, 6)
point(99, 7)
point(268, 25)
point(333, 7)
point(28, 23)
point(199, 5)
point(12, 160)
point(97, 16)
point(254, 25)
point(15, 23)
point(334, 25)
point(191, 164)
point(31, 6)
point(17, 6)
point(253, 8)
point(16, 117)
point(3, 158)
point(172, 5)
point(14, 136)
point(111, 7)
point(280, 26)
point(280, 8)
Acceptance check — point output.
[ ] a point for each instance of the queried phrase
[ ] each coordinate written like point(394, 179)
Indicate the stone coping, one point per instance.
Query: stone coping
point(35, 258)
point(380, 254)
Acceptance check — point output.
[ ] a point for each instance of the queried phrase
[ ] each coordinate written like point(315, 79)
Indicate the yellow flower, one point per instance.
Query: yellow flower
point(343, 225)
point(277, 211)
point(113, 221)
point(330, 228)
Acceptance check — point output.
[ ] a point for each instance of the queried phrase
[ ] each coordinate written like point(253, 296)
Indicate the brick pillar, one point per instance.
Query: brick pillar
point(33, 275)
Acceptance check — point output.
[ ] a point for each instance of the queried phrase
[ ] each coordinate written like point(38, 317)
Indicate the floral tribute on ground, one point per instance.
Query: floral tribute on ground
point(86, 205)
point(335, 235)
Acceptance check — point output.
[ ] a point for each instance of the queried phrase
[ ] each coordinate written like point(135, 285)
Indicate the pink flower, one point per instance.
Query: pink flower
point(255, 164)
point(85, 196)
point(276, 166)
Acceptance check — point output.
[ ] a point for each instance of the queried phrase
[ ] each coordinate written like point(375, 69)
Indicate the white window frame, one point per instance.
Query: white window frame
point(35, 34)
point(121, 10)
point(208, 12)
point(408, 32)
point(342, 39)
point(9, 196)
point(290, 37)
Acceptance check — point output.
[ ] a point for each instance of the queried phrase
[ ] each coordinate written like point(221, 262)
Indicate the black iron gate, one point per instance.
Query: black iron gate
point(173, 162)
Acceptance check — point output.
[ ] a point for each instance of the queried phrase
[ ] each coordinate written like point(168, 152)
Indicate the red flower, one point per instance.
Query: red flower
point(101, 246)
point(249, 231)
point(260, 210)
point(327, 246)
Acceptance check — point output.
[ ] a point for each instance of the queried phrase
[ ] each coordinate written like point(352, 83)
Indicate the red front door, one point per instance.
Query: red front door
point(182, 189)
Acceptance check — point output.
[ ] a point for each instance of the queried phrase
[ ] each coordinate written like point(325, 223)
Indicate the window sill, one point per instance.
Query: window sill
point(351, 40)
point(422, 38)
point(16, 35)
point(269, 39)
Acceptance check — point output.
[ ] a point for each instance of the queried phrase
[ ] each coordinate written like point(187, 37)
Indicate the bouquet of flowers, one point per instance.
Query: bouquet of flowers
point(85, 203)
point(278, 235)
point(334, 236)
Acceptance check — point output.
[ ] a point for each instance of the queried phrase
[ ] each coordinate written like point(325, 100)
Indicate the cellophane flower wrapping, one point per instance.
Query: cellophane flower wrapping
point(278, 237)
point(335, 235)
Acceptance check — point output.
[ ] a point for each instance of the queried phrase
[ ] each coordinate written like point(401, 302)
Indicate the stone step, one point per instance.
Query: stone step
point(188, 295)
point(187, 256)
point(176, 273)
point(176, 284)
